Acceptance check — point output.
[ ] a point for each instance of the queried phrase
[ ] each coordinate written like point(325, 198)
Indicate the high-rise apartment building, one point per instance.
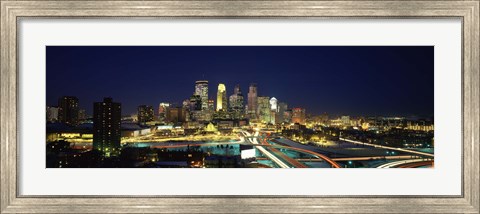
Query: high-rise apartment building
point(107, 117)
point(68, 110)
point(145, 113)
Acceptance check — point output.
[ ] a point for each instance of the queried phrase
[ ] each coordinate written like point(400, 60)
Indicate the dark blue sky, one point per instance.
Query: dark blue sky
point(353, 80)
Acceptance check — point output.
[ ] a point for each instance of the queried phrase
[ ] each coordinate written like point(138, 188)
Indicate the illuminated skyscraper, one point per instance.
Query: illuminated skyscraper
point(273, 104)
point(252, 101)
point(107, 117)
point(68, 110)
point(222, 98)
point(145, 113)
point(236, 103)
point(273, 110)
point(201, 89)
point(264, 109)
point(236, 99)
point(163, 111)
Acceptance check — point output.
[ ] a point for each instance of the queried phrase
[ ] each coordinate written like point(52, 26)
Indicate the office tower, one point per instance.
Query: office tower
point(273, 110)
point(107, 117)
point(236, 99)
point(68, 110)
point(52, 114)
point(222, 98)
point(274, 104)
point(201, 89)
point(264, 109)
point(236, 103)
point(252, 101)
point(162, 111)
point(280, 116)
point(145, 113)
point(195, 103)
point(177, 115)
point(211, 105)
point(298, 115)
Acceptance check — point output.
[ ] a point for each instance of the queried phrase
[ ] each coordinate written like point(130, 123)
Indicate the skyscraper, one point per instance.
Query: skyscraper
point(236, 99)
point(145, 113)
point(163, 111)
point(195, 103)
point(280, 116)
point(273, 110)
point(68, 110)
point(252, 101)
point(201, 89)
point(222, 98)
point(236, 103)
point(107, 117)
point(264, 109)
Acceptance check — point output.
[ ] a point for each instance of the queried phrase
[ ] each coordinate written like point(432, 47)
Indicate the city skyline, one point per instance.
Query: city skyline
point(141, 90)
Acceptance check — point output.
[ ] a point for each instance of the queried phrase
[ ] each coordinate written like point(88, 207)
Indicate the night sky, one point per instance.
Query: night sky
point(346, 80)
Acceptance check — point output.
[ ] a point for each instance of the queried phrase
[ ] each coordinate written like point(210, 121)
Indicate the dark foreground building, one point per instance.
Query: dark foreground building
point(68, 110)
point(107, 117)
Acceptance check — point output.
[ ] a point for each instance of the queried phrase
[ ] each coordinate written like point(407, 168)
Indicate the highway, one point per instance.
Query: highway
point(264, 151)
point(388, 147)
point(403, 162)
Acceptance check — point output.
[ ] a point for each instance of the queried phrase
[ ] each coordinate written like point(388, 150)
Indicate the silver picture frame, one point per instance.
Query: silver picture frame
point(12, 11)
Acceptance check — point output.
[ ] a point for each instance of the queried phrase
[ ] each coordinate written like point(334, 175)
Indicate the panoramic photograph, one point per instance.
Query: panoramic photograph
point(239, 107)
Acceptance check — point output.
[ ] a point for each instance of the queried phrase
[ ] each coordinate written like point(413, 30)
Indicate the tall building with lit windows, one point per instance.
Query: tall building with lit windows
point(68, 110)
point(252, 101)
point(162, 111)
point(145, 113)
point(236, 103)
point(201, 89)
point(222, 98)
point(273, 110)
point(264, 109)
point(107, 117)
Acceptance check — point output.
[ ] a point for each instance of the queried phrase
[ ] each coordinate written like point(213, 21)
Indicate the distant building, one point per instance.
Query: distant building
point(52, 114)
point(82, 115)
point(298, 115)
point(236, 103)
point(68, 110)
point(195, 103)
point(145, 113)
point(287, 116)
point(177, 114)
point(107, 127)
point(345, 120)
point(252, 101)
point(201, 89)
point(280, 116)
point(264, 109)
point(211, 105)
point(222, 98)
point(162, 111)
